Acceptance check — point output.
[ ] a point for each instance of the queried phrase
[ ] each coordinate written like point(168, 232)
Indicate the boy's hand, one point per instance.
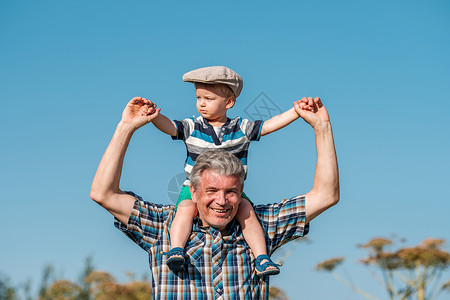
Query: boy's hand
point(312, 111)
point(139, 112)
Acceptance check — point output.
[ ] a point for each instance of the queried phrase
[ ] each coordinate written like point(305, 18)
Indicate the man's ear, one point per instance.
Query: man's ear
point(193, 194)
point(242, 190)
point(230, 102)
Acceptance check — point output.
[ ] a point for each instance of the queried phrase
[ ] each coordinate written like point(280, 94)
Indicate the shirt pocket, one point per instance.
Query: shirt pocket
point(194, 247)
point(195, 262)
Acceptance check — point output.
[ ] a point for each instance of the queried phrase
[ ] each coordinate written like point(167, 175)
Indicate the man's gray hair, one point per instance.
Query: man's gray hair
point(220, 161)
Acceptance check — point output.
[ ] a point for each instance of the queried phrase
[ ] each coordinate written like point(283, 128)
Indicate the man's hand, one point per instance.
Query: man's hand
point(139, 112)
point(312, 111)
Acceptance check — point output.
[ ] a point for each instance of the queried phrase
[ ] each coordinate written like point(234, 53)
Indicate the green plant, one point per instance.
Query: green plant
point(406, 273)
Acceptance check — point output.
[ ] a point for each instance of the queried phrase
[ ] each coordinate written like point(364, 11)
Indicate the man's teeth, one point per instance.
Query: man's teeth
point(219, 210)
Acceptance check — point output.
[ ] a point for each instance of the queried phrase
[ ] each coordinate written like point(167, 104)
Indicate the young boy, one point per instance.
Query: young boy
point(217, 89)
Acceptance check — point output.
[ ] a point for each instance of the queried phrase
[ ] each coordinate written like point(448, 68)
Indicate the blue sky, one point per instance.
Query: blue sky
point(67, 68)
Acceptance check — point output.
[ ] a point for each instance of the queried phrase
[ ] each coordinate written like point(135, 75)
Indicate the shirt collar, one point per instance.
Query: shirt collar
point(206, 123)
point(234, 228)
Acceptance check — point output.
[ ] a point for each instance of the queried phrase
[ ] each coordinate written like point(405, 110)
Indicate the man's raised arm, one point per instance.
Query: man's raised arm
point(105, 186)
point(325, 190)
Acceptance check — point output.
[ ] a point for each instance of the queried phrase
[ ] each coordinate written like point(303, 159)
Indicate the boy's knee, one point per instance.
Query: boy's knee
point(246, 204)
point(245, 210)
point(187, 205)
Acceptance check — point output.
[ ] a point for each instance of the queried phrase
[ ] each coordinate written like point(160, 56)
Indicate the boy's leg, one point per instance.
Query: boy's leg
point(180, 230)
point(182, 223)
point(254, 236)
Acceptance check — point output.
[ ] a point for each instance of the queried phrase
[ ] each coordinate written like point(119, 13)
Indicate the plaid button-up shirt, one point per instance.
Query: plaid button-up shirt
point(218, 266)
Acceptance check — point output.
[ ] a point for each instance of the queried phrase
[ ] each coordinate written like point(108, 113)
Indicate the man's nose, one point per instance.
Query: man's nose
point(201, 102)
point(221, 199)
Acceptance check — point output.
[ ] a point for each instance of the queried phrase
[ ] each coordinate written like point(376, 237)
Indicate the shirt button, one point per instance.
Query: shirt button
point(216, 263)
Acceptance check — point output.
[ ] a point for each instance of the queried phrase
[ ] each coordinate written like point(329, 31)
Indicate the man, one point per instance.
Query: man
point(219, 262)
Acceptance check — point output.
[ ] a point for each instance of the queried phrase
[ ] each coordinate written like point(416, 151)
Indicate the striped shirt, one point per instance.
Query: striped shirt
point(218, 266)
point(234, 137)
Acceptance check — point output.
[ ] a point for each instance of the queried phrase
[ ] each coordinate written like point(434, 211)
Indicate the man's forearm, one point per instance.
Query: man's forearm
point(279, 121)
point(327, 174)
point(325, 191)
point(107, 178)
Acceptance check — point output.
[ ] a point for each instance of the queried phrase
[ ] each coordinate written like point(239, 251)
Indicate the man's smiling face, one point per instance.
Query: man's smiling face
point(217, 197)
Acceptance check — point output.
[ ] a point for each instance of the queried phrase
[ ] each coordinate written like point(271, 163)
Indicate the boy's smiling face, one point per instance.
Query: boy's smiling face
point(212, 104)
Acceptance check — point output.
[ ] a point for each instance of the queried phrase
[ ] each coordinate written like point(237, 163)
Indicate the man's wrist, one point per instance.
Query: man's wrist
point(125, 127)
point(322, 127)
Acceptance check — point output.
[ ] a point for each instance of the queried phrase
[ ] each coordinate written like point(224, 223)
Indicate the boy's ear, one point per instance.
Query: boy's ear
point(230, 102)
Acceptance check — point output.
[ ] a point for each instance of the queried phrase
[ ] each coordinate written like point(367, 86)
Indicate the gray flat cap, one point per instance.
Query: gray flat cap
point(217, 74)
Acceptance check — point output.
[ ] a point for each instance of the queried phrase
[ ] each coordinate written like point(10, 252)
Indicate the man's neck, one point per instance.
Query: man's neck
point(223, 231)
